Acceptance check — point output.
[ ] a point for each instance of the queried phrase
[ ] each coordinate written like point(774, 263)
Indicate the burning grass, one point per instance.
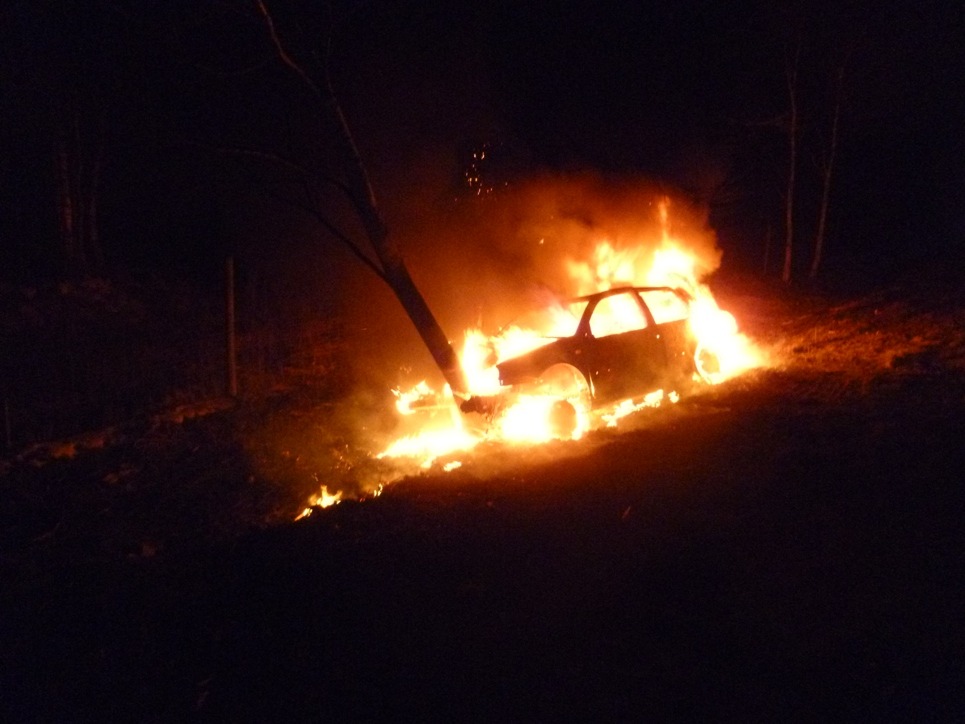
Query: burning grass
point(818, 348)
point(440, 427)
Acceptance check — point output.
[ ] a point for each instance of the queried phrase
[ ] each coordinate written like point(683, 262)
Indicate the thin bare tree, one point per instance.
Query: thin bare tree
point(78, 163)
point(844, 54)
point(827, 172)
point(356, 186)
point(793, 122)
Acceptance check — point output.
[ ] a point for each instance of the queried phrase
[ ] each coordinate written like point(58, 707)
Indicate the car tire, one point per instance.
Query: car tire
point(566, 383)
point(707, 365)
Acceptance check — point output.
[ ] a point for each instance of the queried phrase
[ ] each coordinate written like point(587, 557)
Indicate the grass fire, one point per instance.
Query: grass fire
point(631, 324)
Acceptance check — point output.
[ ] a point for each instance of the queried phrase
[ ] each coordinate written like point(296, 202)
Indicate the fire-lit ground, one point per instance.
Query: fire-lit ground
point(669, 262)
point(785, 545)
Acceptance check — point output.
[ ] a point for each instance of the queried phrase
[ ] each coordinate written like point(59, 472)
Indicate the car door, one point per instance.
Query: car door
point(622, 351)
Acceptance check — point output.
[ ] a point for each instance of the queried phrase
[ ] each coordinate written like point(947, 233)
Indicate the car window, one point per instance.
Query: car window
point(569, 317)
point(665, 306)
point(617, 314)
point(555, 319)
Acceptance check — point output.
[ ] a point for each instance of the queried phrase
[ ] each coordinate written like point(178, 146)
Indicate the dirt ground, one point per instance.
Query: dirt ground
point(785, 546)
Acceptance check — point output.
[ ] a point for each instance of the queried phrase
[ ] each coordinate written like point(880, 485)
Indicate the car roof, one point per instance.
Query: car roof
point(682, 293)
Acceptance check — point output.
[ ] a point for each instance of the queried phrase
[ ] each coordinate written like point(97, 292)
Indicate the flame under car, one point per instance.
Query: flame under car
point(626, 342)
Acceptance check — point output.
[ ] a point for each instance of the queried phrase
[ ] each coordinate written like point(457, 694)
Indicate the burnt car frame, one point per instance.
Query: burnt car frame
point(650, 347)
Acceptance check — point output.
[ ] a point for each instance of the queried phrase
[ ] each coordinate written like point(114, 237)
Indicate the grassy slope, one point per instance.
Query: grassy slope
point(786, 544)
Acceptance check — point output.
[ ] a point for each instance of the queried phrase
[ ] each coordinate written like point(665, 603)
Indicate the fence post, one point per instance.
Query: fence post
point(7, 432)
point(231, 348)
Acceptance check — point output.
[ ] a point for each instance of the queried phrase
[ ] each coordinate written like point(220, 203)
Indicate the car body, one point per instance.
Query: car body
point(626, 342)
point(629, 341)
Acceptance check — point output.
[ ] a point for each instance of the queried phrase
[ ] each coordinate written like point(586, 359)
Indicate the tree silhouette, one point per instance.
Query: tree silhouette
point(353, 182)
point(58, 71)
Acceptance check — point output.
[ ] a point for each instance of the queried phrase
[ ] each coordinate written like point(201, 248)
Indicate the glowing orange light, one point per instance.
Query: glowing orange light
point(545, 414)
point(322, 499)
point(533, 418)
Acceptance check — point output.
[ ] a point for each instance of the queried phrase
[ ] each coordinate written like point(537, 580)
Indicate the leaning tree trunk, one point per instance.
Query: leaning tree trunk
point(428, 327)
point(394, 271)
point(359, 190)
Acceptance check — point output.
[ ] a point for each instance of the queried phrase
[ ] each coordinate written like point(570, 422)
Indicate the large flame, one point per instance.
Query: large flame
point(536, 418)
point(530, 419)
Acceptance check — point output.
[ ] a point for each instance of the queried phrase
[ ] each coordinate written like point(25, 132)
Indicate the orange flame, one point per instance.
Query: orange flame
point(530, 418)
point(723, 352)
point(322, 499)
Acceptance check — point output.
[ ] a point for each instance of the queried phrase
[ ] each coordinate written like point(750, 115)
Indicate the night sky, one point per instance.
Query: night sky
point(689, 95)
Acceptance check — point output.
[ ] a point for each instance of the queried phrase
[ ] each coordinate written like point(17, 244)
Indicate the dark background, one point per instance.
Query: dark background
point(787, 544)
point(692, 95)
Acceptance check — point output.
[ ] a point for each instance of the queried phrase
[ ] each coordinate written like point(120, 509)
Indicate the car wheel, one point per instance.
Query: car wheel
point(707, 364)
point(567, 384)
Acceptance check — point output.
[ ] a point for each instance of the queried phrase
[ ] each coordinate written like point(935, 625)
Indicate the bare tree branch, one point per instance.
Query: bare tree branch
point(280, 49)
point(260, 155)
point(359, 190)
point(286, 163)
point(309, 207)
point(313, 211)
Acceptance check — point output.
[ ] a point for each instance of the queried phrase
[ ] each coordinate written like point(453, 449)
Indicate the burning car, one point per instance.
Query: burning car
point(622, 343)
